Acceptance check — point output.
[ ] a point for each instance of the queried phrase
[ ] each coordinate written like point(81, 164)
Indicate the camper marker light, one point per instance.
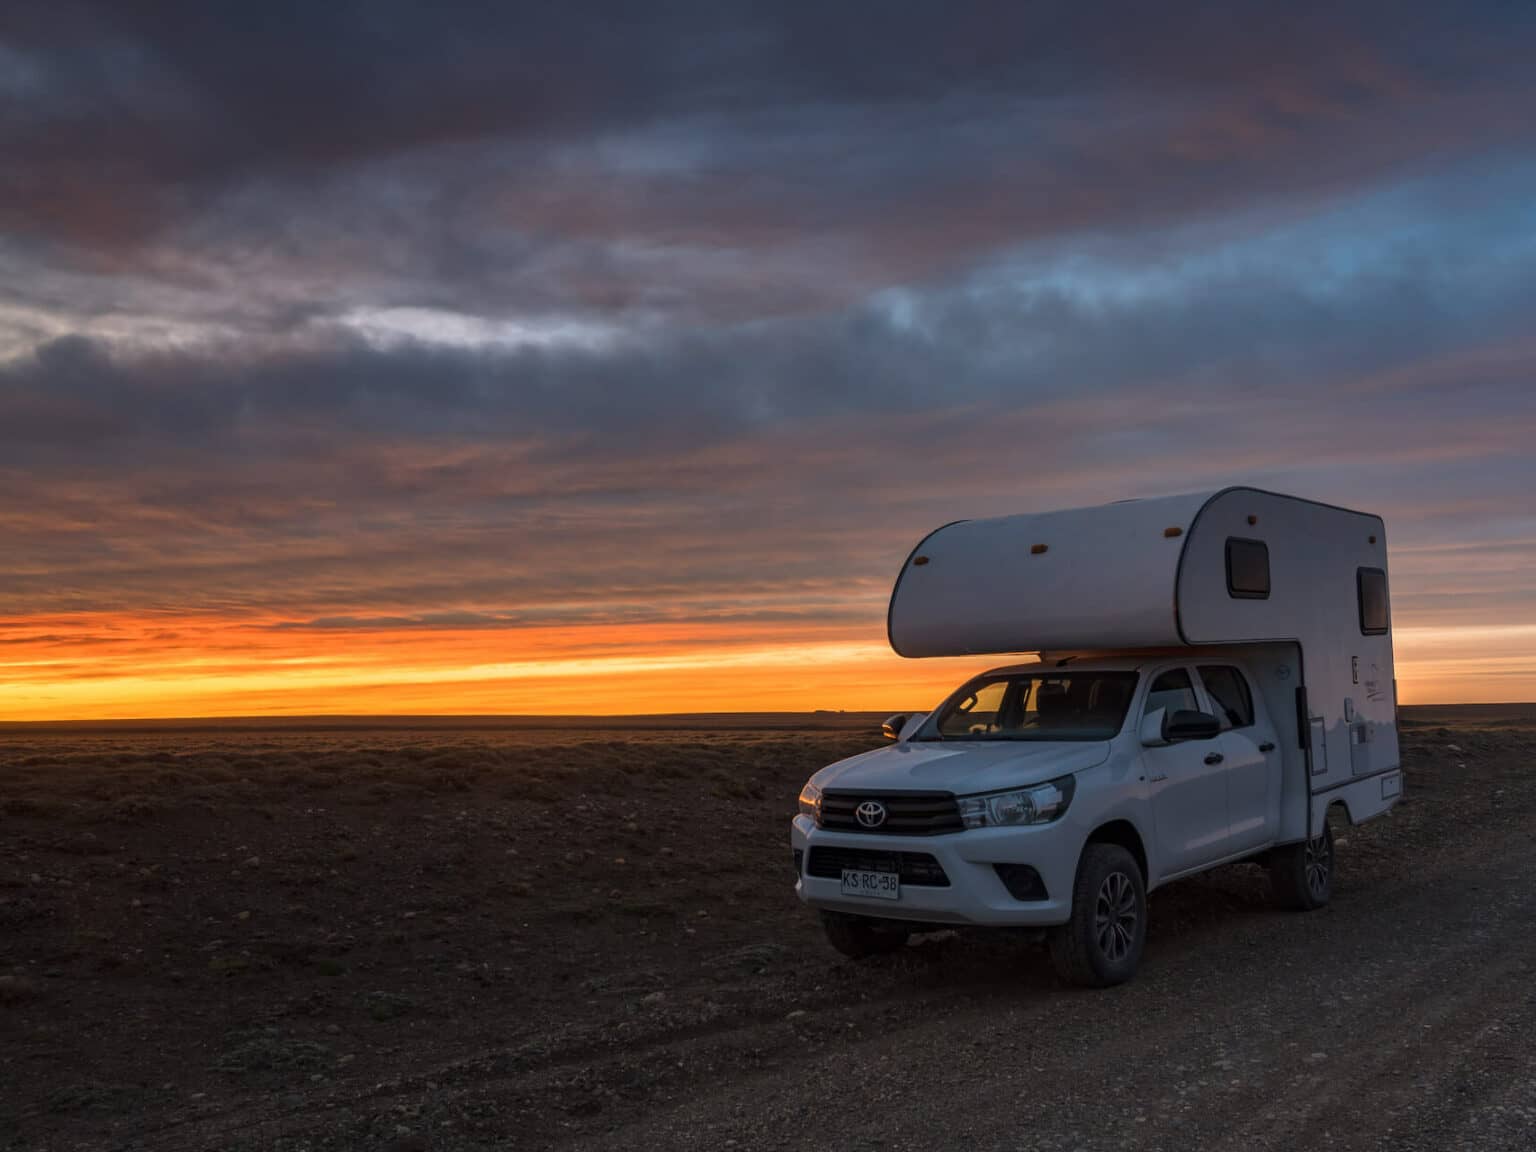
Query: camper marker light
point(810, 801)
point(1038, 804)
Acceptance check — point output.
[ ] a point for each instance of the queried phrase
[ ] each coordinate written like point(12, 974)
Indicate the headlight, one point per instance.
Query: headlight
point(810, 801)
point(1037, 805)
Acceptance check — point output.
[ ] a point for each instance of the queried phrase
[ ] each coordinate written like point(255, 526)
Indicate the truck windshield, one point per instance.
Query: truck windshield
point(1035, 706)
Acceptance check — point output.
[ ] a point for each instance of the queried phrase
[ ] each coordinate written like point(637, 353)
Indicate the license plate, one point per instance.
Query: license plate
point(874, 885)
point(1391, 786)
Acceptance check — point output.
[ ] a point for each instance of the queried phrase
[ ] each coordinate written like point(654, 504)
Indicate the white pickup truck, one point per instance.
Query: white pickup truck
point(1215, 675)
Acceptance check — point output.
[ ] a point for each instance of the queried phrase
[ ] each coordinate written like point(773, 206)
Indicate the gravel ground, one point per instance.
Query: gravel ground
point(415, 997)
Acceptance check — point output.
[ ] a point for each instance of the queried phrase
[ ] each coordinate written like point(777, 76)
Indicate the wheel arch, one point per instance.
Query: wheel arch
point(1337, 806)
point(1124, 833)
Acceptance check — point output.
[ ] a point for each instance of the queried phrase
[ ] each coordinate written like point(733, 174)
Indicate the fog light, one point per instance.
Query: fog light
point(1022, 881)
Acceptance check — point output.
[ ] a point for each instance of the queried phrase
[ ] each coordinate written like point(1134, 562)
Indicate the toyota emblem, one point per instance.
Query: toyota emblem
point(871, 813)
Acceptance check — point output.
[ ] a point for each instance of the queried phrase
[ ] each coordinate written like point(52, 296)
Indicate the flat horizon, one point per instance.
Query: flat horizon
point(823, 717)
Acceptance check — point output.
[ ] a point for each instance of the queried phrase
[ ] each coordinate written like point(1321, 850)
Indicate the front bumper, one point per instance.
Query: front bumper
point(976, 894)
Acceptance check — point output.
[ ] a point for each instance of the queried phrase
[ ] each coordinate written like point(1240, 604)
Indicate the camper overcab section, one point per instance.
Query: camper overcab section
point(1213, 676)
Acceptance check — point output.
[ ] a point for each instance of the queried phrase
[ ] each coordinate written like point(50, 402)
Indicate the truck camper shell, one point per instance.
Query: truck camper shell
point(1299, 586)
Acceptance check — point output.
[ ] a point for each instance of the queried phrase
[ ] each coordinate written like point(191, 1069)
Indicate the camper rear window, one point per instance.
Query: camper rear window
point(1035, 706)
point(1247, 569)
point(1372, 585)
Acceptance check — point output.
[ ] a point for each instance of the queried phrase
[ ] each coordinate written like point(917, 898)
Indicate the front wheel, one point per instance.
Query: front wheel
point(1302, 874)
point(861, 936)
point(1102, 944)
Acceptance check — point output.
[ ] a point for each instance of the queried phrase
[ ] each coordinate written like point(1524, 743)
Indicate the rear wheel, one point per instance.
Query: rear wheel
point(1102, 944)
point(860, 936)
point(1302, 874)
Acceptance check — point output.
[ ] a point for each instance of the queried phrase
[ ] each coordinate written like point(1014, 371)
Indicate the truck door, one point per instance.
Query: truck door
point(1186, 782)
point(1251, 756)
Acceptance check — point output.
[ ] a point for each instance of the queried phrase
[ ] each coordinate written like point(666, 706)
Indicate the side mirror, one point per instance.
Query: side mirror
point(1152, 729)
point(1187, 724)
point(891, 729)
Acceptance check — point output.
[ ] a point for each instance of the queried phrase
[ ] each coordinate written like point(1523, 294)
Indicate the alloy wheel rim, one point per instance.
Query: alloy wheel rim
point(1114, 916)
point(1319, 861)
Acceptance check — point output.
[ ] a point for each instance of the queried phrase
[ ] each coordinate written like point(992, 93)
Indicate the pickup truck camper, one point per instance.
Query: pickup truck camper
point(1213, 678)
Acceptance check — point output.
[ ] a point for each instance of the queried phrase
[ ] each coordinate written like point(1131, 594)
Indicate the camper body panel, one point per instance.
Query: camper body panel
point(1090, 577)
point(1316, 554)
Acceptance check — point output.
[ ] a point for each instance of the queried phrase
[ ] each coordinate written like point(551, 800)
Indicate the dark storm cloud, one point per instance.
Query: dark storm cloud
point(252, 172)
point(775, 469)
point(124, 120)
point(473, 317)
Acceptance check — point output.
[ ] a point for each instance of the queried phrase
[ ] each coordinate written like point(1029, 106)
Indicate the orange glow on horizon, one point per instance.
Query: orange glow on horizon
point(127, 667)
point(150, 665)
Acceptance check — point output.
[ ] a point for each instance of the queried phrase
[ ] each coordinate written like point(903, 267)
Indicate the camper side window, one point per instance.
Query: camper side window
point(1172, 690)
point(1372, 586)
point(1247, 569)
point(1228, 689)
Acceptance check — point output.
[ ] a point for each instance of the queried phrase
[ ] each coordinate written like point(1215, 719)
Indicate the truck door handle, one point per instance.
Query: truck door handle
point(1156, 776)
point(1267, 746)
point(1214, 758)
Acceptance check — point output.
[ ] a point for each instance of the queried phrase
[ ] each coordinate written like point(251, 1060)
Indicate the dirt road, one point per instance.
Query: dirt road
point(1400, 1018)
point(627, 1010)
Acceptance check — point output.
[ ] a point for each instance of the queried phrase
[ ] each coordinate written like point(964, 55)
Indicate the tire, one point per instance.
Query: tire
point(859, 936)
point(1301, 875)
point(1102, 944)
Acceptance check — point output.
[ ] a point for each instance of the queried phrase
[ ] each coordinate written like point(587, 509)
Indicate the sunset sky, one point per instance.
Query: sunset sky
point(374, 358)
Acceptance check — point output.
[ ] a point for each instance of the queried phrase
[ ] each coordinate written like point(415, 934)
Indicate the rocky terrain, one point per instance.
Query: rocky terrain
point(473, 939)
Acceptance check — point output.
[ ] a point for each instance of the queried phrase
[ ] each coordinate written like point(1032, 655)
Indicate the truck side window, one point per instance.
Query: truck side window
point(1371, 584)
point(1172, 690)
point(1247, 569)
point(1228, 689)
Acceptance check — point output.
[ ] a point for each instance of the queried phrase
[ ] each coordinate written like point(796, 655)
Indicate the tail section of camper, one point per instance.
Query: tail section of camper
point(1259, 564)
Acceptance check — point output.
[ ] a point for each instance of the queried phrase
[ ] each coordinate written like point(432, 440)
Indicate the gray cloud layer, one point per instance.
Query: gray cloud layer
point(397, 318)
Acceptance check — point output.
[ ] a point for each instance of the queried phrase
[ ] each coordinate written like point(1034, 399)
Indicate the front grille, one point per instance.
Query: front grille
point(916, 868)
point(906, 813)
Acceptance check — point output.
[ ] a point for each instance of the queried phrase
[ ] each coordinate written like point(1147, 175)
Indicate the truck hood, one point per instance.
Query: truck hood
point(962, 766)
